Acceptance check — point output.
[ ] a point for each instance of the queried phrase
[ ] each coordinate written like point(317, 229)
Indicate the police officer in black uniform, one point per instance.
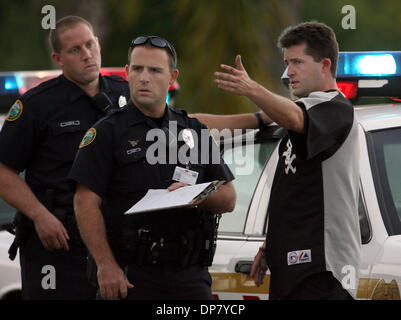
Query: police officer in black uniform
point(163, 254)
point(41, 135)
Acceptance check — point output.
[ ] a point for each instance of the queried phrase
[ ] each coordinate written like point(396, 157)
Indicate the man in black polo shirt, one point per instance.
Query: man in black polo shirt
point(41, 135)
point(313, 237)
point(161, 255)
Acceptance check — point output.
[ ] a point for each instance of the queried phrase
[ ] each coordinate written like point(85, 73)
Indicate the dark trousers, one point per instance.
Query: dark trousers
point(318, 286)
point(168, 282)
point(39, 266)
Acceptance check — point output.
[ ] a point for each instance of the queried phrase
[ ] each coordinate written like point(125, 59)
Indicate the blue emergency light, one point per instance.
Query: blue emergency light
point(367, 74)
point(371, 64)
point(10, 84)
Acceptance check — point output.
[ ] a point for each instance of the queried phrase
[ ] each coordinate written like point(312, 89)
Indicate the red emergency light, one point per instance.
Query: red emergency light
point(348, 88)
point(114, 71)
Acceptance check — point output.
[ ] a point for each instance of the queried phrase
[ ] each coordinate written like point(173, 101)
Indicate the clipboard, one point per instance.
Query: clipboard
point(184, 197)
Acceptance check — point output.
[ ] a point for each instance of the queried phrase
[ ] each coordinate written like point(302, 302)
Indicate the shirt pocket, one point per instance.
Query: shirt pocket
point(201, 170)
point(65, 137)
point(133, 173)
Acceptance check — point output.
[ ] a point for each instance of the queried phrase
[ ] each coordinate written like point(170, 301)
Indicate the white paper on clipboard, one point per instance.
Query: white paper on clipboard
point(161, 199)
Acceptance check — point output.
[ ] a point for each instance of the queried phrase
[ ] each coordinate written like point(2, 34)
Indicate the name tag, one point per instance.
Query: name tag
point(131, 151)
point(185, 175)
point(70, 123)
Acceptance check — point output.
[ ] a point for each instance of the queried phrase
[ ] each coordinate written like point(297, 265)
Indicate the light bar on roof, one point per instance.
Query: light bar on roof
point(369, 64)
point(348, 88)
point(10, 83)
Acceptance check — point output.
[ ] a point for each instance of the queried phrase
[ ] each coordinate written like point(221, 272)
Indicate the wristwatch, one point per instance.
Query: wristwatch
point(261, 124)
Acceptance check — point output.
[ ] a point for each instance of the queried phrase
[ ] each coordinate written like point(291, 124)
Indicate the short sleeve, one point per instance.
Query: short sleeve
point(328, 120)
point(19, 136)
point(93, 164)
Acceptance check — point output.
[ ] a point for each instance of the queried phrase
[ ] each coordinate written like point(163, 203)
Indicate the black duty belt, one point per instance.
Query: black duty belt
point(141, 248)
point(183, 247)
point(165, 252)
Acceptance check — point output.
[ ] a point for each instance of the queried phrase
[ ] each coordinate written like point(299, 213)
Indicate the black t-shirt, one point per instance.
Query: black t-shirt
point(44, 128)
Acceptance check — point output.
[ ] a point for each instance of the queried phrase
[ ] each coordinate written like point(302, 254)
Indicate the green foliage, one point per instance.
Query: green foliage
point(23, 41)
point(205, 33)
point(378, 23)
point(215, 32)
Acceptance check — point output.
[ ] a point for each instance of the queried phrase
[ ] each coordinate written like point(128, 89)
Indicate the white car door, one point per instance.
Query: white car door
point(242, 232)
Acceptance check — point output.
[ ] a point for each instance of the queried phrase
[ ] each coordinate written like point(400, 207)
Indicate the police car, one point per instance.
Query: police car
point(253, 157)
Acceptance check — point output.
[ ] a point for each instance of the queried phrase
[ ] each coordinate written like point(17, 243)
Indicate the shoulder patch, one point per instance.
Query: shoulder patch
point(15, 111)
point(88, 138)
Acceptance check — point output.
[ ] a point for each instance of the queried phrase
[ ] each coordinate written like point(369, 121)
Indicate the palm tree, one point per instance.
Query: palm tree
point(206, 33)
point(213, 32)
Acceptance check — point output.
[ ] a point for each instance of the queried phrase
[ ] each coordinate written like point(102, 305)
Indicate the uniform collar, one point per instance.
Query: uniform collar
point(76, 92)
point(104, 85)
point(171, 115)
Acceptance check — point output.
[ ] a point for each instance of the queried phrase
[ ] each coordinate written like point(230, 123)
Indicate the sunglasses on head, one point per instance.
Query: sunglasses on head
point(155, 42)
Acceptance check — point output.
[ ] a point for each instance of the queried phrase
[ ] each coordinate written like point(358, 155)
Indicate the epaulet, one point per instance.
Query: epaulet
point(179, 111)
point(110, 114)
point(117, 110)
point(122, 109)
point(115, 78)
point(116, 83)
point(41, 87)
point(184, 119)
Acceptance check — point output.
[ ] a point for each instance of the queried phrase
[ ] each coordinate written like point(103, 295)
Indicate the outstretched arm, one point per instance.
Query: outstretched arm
point(280, 109)
point(232, 121)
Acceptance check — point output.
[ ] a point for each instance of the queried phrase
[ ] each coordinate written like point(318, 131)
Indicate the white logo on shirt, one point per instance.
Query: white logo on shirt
point(300, 256)
point(289, 158)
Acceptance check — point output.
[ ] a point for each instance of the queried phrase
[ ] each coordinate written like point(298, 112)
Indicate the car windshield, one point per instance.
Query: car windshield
point(6, 214)
point(246, 162)
point(385, 153)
